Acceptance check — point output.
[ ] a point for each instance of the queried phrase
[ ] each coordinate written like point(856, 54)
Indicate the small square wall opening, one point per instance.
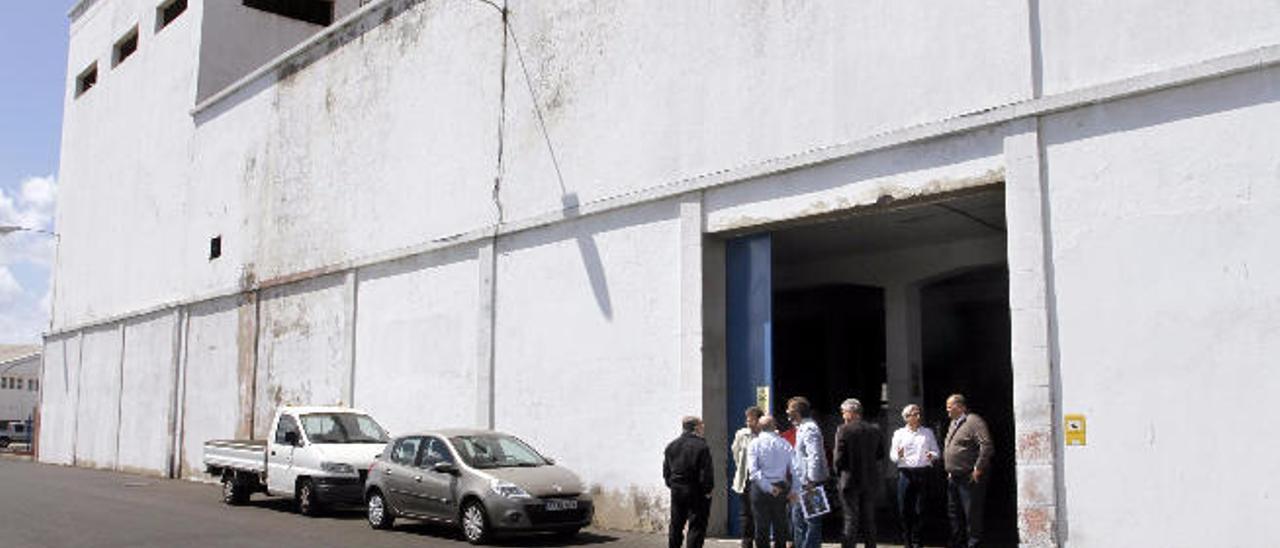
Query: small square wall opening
point(215, 247)
point(87, 79)
point(167, 11)
point(124, 47)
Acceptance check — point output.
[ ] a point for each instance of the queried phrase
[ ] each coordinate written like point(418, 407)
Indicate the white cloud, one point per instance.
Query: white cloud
point(24, 307)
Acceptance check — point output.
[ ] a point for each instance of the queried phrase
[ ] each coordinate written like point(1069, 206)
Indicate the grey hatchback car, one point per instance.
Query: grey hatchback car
point(483, 481)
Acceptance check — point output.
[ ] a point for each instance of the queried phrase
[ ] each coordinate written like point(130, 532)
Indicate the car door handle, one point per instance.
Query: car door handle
point(273, 453)
point(417, 479)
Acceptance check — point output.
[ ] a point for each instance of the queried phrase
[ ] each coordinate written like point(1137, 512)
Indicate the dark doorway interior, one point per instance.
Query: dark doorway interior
point(829, 344)
point(965, 332)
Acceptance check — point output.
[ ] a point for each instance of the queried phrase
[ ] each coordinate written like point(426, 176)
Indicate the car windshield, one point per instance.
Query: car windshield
point(342, 428)
point(496, 451)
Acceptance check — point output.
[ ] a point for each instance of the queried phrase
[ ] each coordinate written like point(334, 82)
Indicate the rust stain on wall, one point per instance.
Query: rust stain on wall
point(246, 358)
point(1035, 526)
point(1034, 447)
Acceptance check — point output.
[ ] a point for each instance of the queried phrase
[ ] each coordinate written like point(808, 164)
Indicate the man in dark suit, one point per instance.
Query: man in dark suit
point(859, 454)
point(687, 470)
point(967, 457)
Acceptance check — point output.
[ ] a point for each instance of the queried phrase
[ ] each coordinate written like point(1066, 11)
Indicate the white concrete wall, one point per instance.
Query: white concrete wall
point(147, 394)
point(588, 347)
point(416, 361)
point(304, 348)
point(217, 388)
point(1091, 42)
point(634, 96)
point(98, 411)
point(59, 387)
point(125, 149)
point(1164, 214)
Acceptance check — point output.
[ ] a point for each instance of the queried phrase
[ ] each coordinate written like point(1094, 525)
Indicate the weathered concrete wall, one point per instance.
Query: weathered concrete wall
point(1164, 214)
point(587, 335)
point(304, 347)
point(217, 369)
point(416, 360)
point(381, 137)
point(59, 386)
point(147, 394)
point(126, 149)
point(98, 411)
point(1094, 41)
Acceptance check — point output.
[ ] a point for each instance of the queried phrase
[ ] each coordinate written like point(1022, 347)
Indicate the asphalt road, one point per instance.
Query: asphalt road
point(55, 506)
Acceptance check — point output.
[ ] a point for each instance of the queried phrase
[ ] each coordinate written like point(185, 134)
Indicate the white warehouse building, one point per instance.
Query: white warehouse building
point(579, 221)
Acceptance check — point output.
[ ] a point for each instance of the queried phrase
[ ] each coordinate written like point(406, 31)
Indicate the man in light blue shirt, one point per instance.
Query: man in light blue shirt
point(769, 467)
point(809, 470)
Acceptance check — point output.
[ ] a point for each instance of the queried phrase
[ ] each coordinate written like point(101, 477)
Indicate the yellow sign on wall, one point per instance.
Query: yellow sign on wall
point(762, 399)
point(1074, 429)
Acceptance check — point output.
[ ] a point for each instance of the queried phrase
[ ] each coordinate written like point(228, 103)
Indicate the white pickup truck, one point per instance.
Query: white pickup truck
point(316, 455)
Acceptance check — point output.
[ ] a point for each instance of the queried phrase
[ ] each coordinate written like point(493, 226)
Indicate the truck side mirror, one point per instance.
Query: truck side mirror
point(291, 438)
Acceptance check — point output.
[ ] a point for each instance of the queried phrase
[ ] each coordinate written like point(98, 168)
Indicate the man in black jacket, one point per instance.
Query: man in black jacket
point(858, 457)
point(687, 470)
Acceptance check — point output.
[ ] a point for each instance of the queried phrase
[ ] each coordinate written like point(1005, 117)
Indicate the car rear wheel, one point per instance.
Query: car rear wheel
point(475, 524)
point(380, 516)
point(4, 442)
point(234, 491)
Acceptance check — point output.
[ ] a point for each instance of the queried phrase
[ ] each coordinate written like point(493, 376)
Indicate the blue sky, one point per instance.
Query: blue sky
point(33, 57)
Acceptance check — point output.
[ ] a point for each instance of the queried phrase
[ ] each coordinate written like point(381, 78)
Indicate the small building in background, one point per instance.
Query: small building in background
point(19, 383)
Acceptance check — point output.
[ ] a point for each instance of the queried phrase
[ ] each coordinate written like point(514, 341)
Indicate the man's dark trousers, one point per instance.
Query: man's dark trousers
point(965, 500)
point(913, 483)
point(689, 506)
point(859, 507)
point(748, 518)
point(770, 516)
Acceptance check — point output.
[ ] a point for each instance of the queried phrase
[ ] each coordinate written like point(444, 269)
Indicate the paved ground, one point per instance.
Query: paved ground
point(48, 506)
point(56, 506)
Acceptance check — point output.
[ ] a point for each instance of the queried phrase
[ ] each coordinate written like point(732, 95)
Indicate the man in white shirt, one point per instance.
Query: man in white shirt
point(741, 478)
point(914, 449)
point(769, 469)
point(810, 470)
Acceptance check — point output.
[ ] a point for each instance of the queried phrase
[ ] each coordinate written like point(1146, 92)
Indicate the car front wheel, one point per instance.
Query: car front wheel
point(380, 516)
point(308, 504)
point(475, 524)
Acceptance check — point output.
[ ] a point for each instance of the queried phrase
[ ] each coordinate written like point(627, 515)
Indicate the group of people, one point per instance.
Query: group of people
point(774, 474)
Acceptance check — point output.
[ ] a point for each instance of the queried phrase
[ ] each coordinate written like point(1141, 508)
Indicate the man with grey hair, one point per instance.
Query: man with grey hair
point(686, 467)
point(859, 454)
point(913, 449)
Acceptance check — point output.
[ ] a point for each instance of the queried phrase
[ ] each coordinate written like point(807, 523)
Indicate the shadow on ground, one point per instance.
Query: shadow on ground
point(410, 529)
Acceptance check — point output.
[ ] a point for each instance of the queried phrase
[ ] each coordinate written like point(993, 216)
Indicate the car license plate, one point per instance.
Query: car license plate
point(555, 505)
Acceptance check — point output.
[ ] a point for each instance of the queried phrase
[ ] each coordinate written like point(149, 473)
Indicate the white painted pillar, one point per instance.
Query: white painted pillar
point(1040, 516)
point(487, 264)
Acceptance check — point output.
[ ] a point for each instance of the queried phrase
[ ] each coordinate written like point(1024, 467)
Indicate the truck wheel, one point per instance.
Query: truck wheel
point(234, 491)
point(4, 442)
point(380, 516)
point(475, 524)
point(308, 504)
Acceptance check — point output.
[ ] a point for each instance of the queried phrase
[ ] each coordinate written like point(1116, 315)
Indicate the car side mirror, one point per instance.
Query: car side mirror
point(549, 460)
point(445, 468)
point(291, 438)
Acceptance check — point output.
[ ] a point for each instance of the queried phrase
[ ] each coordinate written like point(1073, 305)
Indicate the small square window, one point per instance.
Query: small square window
point(215, 247)
point(87, 79)
point(169, 11)
point(125, 47)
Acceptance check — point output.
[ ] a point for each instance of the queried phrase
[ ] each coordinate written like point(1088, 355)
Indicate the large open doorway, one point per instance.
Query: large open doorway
point(898, 304)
